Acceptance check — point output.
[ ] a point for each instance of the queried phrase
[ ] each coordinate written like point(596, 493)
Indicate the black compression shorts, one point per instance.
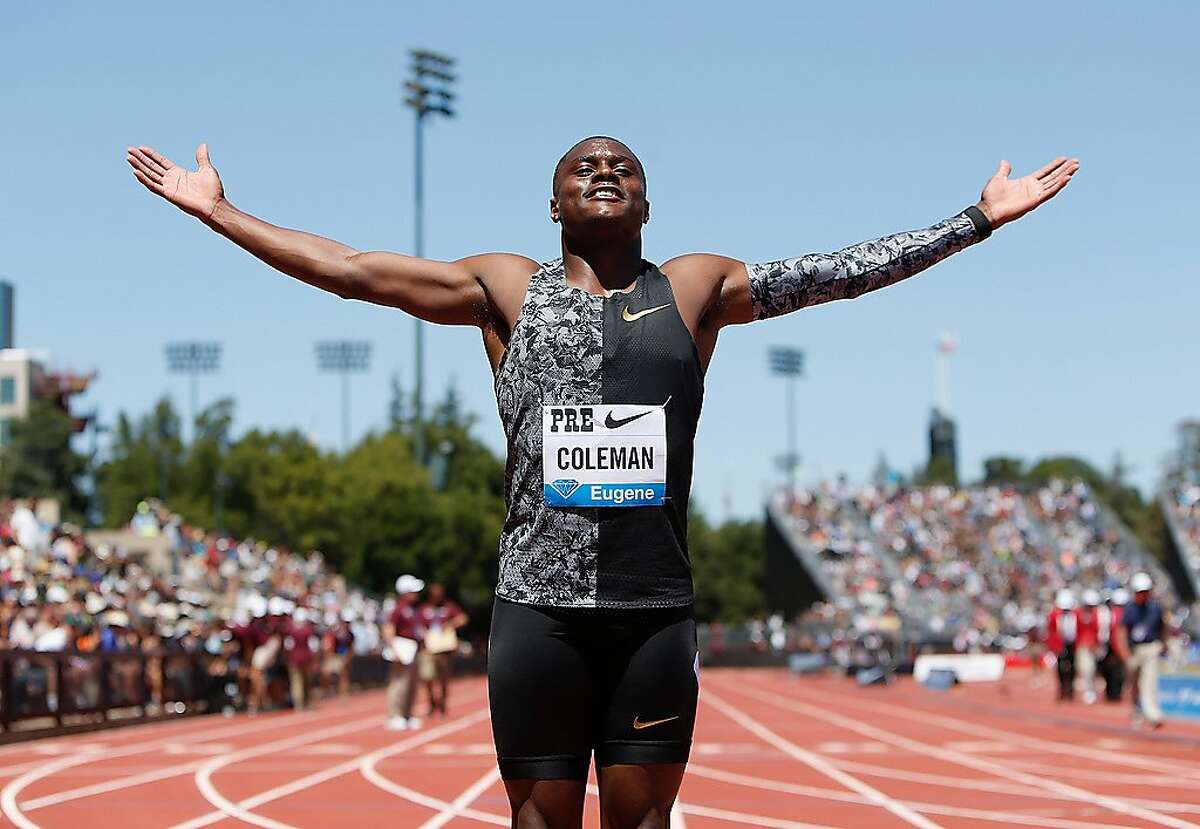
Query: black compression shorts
point(564, 682)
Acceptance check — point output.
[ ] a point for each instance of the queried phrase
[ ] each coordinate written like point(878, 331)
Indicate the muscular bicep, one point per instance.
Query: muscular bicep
point(451, 293)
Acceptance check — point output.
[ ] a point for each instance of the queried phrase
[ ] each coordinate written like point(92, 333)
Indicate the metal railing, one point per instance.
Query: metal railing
point(47, 693)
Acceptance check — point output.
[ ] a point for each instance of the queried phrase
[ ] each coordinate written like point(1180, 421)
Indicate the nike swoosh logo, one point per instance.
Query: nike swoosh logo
point(616, 423)
point(638, 725)
point(628, 317)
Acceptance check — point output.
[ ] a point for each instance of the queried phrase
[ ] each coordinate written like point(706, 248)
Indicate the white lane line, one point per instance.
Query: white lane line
point(752, 820)
point(225, 807)
point(767, 784)
point(110, 786)
point(996, 769)
point(1039, 743)
point(242, 807)
point(677, 815)
point(816, 762)
point(735, 817)
point(367, 768)
point(8, 796)
point(463, 801)
point(1086, 773)
point(11, 771)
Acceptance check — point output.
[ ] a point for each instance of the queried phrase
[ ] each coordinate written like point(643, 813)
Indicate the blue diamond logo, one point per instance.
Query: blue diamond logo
point(565, 486)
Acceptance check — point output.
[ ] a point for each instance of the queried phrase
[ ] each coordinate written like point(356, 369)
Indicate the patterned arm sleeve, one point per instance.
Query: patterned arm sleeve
point(787, 285)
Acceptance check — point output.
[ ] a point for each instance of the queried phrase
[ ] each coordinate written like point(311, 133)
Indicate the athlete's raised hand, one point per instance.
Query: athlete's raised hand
point(1005, 199)
point(194, 192)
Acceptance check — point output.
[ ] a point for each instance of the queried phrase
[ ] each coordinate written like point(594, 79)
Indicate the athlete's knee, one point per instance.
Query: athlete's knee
point(529, 817)
point(652, 818)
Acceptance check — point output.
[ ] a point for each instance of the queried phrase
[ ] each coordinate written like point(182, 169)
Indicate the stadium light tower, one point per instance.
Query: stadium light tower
point(344, 357)
point(193, 359)
point(788, 363)
point(946, 345)
point(428, 95)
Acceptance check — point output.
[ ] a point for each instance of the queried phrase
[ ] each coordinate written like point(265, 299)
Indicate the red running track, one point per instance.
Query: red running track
point(771, 751)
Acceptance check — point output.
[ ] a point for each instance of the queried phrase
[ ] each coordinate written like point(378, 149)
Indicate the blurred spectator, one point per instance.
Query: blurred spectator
point(403, 634)
point(1142, 622)
point(441, 619)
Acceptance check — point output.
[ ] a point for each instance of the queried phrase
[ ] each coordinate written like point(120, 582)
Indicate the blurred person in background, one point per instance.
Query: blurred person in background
point(1061, 627)
point(1087, 643)
point(1142, 623)
point(402, 638)
point(337, 646)
point(266, 651)
point(1111, 656)
point(441, 619)
point(298, 646)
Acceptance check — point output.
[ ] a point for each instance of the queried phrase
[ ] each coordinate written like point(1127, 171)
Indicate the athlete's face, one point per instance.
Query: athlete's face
point(600, 191)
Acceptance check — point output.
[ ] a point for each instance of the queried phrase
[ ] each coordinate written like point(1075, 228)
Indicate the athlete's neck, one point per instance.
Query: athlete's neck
point(603, 267)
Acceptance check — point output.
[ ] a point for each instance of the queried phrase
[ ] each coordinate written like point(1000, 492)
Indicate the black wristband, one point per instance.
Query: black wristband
point(983, 225)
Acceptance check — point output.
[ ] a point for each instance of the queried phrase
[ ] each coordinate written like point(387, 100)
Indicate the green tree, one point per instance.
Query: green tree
point(282, 489)
point(939, 470)
point(38, 460)
point(146, 460)
point(1002, 469)
point(727, 567)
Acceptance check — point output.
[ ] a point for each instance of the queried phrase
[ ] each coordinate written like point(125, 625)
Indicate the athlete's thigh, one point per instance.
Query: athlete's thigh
point(649, 706)
point(545, 804)
point(540, 692)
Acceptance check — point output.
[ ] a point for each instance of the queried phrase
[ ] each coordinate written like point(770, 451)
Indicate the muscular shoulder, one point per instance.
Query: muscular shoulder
point(701, 283)
point(504, 277)
point(489, 267)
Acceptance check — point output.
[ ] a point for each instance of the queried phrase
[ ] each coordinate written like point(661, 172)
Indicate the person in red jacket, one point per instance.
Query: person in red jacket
point(1061, 627)
point(1087, 643)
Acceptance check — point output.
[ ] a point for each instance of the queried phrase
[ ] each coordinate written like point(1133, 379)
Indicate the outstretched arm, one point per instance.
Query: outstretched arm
point(768, 289)
point(445, 292)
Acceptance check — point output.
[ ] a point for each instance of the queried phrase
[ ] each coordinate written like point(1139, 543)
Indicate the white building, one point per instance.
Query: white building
point(22, 375)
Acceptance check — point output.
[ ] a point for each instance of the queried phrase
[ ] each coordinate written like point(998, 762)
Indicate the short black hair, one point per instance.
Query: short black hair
point(567, 154)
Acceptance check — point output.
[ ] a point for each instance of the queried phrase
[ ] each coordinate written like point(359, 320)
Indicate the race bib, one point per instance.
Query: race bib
point(604, 456)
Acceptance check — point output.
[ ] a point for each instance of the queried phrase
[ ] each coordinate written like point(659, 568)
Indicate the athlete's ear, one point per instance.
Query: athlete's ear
point(554, 209)
point(646, 216)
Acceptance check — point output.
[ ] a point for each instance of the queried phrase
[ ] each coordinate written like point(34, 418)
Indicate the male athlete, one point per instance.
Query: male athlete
point(599, 361)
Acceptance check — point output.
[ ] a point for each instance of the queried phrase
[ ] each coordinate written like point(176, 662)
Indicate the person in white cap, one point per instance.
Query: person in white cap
point(1142, 623)
point(1110, 656)
point(1061, 627)
point(1087, 643)
point(402, 637)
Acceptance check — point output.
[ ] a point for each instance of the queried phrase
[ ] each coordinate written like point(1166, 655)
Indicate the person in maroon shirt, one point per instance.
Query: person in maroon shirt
point(441, 619)
point(337, 647)
point(402, 637)
point(298, 652)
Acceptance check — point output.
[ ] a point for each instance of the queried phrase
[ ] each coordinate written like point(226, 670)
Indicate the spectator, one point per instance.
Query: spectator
point(1142, 622)
point(1111, 656)
point(298, 646)
point(441, 620)
point(402, 635)
point(1061, 631)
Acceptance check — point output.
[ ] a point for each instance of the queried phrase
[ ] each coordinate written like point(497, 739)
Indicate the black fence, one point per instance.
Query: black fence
point(47, 693)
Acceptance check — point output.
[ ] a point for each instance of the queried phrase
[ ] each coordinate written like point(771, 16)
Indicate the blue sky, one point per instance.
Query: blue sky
point(768, 129)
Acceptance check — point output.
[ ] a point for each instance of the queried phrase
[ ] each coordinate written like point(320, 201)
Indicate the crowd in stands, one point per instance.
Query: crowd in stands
point(979, 565)
point(271, 624)
point(1184, 502)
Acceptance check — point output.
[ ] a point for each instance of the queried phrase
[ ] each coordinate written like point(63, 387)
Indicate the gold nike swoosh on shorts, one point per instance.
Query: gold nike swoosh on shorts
point(628, 317)
point(638, 725)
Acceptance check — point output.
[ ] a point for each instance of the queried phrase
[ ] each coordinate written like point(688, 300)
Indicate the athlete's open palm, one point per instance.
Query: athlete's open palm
point(1005, 199)
point(195, 192)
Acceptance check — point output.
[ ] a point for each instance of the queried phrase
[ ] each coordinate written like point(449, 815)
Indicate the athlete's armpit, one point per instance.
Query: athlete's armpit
point(786, 285)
